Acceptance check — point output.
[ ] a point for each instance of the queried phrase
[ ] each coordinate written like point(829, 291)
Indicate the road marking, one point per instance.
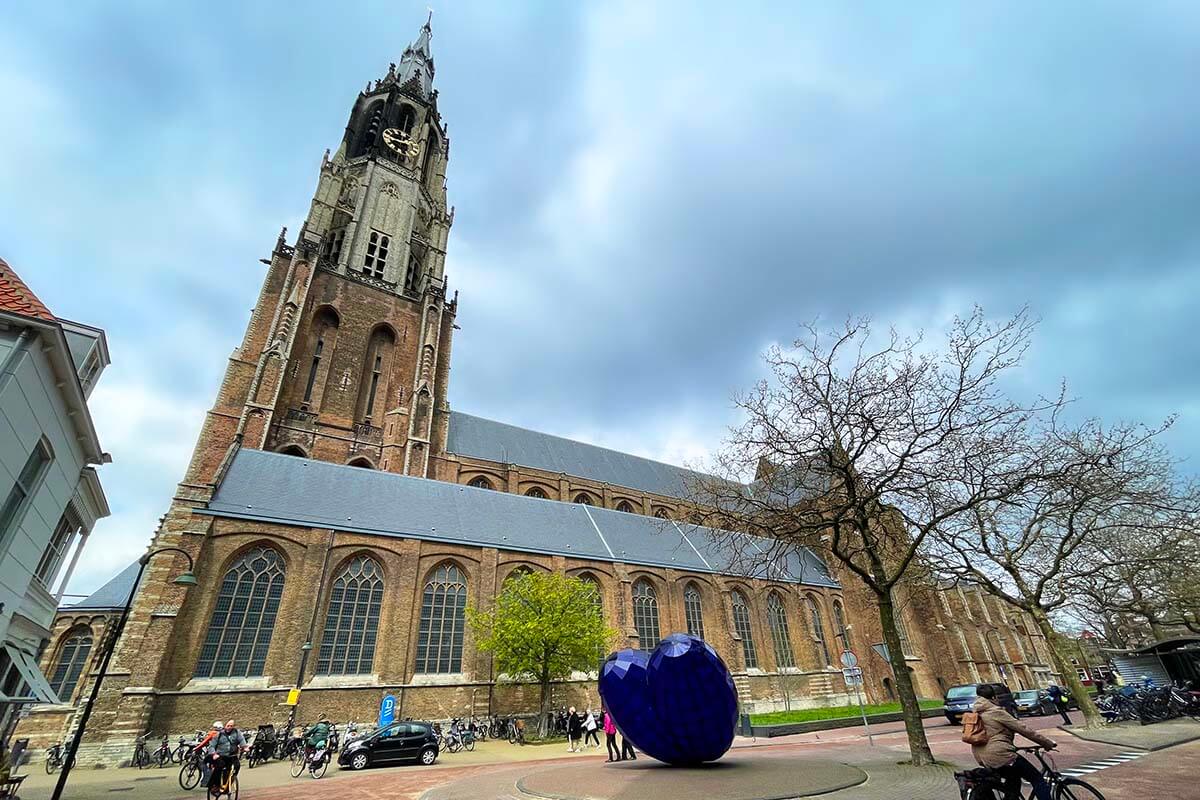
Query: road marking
point(1103, 763)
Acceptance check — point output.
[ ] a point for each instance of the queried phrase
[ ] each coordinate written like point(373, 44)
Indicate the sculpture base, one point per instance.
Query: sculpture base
point(737, 776)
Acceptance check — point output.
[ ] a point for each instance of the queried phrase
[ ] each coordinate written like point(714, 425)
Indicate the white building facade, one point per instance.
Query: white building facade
point(50, 493)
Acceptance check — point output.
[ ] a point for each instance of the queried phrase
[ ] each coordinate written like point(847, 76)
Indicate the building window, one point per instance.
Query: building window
point(375, 261)
point(312, 370)
point(412, 274)
point(71, 661)
point(693, 610)
point(239, 632)
point(27, 483)
point(583, 499)
point(839, 619)
point(820, 648)
point(537, 492)
point(440, 640)
point(741, 624)
point(902, 631)
point(480, 483)
point(661, 513)
point(777, 617)
point(645, 614)
point(352, 622)
point(376, 370)
point(60, 542)
point(625, 506)
point(332, 249)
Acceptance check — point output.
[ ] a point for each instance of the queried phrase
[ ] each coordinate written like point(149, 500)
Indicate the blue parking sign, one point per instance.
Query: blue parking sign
point(387, 710)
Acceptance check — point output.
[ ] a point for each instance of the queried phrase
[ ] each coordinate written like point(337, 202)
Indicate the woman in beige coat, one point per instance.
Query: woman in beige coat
point(1000, 753)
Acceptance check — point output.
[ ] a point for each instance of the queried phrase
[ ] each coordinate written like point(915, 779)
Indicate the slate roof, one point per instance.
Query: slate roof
point(487, 439)
point(272, 487)
point(18, 298)
point(111, 595)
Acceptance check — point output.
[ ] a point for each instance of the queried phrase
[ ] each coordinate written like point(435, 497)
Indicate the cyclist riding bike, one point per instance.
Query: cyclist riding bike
point(222, 753)
point(317, 736)
point(1000, 754)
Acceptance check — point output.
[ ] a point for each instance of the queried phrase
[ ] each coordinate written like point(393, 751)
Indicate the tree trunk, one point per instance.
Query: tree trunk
point(544, 705)
point(1091, 715)
point(914, 726)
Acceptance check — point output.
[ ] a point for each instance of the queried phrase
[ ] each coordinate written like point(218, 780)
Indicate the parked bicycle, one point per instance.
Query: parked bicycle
point(161, 756)
point(986, 784)
point(192, 771)
point(141, 753)
point(54, 758)
point(184, 748)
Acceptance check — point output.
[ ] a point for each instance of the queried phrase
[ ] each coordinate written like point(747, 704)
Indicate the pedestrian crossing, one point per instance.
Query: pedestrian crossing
point(1103, 763)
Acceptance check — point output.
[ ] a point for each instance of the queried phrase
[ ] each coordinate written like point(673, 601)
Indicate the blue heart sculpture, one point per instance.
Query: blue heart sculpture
point(676, 704)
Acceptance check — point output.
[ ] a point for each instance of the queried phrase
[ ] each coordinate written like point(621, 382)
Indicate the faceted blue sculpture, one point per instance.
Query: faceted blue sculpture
point(676, 703)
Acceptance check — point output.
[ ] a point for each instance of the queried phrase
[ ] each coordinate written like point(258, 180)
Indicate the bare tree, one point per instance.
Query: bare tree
point(860, 446)
point(1038, 549)
point(1146, 586)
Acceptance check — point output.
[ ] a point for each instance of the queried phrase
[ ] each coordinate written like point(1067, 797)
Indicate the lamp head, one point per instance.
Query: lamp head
point(186, 579)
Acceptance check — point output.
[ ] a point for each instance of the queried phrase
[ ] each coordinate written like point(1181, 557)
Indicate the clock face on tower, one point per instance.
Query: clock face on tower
point(399, 143)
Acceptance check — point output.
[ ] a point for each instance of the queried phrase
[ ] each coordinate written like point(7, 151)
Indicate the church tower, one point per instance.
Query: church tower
point(346, 356)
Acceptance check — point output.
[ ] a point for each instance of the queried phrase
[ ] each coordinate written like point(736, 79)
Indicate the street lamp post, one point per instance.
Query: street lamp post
point(185, 579)
point(844, 635)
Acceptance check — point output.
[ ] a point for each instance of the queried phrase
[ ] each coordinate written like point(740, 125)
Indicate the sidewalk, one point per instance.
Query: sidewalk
point(1142, 737)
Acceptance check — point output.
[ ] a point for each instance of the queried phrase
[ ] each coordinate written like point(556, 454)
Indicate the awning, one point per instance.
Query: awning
point(21, 680)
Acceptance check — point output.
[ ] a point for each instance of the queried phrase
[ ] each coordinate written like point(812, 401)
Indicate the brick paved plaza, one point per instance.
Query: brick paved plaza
point(750, 770)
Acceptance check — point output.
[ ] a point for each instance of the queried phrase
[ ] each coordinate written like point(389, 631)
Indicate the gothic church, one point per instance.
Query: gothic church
point(341, 516)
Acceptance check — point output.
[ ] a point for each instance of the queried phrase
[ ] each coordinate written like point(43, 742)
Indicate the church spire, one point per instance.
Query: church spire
point(416, 64)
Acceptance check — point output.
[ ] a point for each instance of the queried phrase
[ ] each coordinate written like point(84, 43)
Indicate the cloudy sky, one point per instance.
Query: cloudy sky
point(648, 195)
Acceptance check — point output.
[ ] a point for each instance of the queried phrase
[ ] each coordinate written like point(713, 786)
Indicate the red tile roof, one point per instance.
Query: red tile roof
point(17, 298)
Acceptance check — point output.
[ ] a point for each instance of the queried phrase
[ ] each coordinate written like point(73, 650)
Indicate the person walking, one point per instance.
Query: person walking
point(590, 729)
point(627, 752)
point(1000, 754)
point(574, 731)
point(1060, 700)
point(610, 738)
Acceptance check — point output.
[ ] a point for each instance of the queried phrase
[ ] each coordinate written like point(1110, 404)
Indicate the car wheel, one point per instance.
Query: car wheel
point(428, 756)
point(358, 761)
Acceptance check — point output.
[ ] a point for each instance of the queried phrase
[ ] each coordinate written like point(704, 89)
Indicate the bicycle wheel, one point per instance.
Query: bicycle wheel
point(298, 766)
point(233, 788)
point(1075, 789)
point(50, 766)
point(470, 745)
point(189, 776)
point(318, 770)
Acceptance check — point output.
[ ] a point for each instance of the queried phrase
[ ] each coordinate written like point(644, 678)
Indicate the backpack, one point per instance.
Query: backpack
point(973, 731)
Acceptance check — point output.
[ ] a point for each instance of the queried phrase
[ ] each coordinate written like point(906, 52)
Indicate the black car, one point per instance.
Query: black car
point(1032, 703)
point(400, 741)
point(960, 699)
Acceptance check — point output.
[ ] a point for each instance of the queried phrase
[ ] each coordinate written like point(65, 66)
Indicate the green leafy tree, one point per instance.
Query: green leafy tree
point(543, 627)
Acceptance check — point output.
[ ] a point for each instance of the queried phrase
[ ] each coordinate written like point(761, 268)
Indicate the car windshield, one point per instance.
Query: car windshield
point(1028, 694)
point(960, 693)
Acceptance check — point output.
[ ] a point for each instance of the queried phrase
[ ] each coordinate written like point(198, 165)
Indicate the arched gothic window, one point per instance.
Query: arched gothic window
point(583, 499)
point(293, 450)
point(239, 632)
point(71, 661)
point(537, 492)
point(741, 624)
point(902, 631)
point(625, 506)
point(645, 614)
point(352, 622)
point(443, 607)
point(373, 389)
point(362, 463)
point(839, 619)
point(777, 617)
point(820, 647)
point(481, 483)
point(661, 513)
point(407, 117)
point(322, 336)
point(693, 610)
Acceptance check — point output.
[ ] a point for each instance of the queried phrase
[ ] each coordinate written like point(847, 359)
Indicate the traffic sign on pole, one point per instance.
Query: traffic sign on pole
point(853, 676)
point(849, 659)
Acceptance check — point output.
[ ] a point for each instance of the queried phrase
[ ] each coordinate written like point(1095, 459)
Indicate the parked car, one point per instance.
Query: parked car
point(960, 699)
point(1032, 703)
point(400, 741)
